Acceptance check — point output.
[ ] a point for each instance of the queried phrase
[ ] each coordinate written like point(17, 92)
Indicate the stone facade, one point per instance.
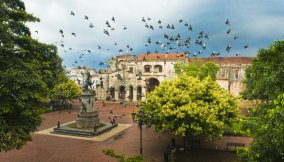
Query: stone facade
point(130, 77)
point(232, 72)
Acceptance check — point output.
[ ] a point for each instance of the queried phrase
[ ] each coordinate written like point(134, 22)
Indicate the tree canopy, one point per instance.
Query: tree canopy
point(264, 81)
point(197, 68)
point(66, 91)
point(188, 106)
point(264, 78)
point(28, 70)
point(268, 137)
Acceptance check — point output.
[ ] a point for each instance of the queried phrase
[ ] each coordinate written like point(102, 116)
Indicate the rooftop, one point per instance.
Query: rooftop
point(230, 60)
point(157, 56)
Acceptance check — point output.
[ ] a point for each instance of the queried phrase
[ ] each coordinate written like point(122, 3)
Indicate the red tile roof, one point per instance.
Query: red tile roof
point(156, 56)
point(125, 56)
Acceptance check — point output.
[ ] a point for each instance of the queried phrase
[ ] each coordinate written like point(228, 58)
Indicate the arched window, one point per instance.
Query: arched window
point(237, 74)
point(147, 68)
point(130, 97)
point(158, 68)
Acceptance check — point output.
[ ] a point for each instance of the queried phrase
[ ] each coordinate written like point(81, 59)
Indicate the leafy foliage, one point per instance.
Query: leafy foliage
point(66, 91)
point(264, 81)
point(268, 144)
point(264, 78)
point(188, 106)
point(197, 68)
point(122, 158)
point(28, 69)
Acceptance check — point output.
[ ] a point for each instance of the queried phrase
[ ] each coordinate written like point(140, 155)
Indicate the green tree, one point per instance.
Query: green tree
point(197, 68)
point(264, 81)
point(121, 157)
point(188, 106)
point(66, 91)
point(28, 69)
point(268, 143)
point(264, 78)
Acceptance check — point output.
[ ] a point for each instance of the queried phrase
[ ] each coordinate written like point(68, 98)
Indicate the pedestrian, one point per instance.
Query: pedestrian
point(133, 115)
point(113, 121)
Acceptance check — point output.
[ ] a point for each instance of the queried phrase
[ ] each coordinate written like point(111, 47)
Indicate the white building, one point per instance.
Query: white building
point(77, 75)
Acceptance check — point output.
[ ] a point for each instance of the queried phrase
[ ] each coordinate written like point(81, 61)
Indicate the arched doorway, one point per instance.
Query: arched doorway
point(122, 92)
point(130, 97)
point(151, 83)
point(112, 93)
point(139, 92)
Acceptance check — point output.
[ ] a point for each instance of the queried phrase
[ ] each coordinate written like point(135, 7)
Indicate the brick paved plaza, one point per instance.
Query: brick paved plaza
point(45, 148)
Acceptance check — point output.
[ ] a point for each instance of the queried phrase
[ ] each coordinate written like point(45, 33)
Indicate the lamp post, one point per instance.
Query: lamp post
point(139, 115)
point(140, 126)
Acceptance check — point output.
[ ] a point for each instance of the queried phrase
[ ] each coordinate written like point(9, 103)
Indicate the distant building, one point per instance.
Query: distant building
point(130, 77)
point(77, 74)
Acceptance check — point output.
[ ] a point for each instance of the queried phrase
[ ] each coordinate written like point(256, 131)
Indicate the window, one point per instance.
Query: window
point(130, 70)
point(147, 68)
point(237, 74)
point(158, 68)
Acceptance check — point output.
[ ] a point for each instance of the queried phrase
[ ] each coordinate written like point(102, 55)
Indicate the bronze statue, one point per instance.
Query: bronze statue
point(88, 82)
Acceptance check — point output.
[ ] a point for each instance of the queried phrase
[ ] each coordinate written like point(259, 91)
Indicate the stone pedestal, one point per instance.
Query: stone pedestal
point(88, 116)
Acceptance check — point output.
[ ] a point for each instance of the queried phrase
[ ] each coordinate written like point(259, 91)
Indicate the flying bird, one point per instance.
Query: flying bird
point(228, 48)
point(246, 46)
point(228, 31)
point(190, 28)
point(227, 22)
point(113, 19)
point(86, 17)
point(61, 31)
point(73, 34)
point(106, 32)
point(91, 25)
point(72, 13)
point(206, 36)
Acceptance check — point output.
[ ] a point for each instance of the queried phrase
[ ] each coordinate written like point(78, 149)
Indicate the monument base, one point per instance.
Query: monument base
point(87, 120)
point(83, 132)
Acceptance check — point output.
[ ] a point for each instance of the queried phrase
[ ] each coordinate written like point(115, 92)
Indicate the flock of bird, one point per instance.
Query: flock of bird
point(171, 41)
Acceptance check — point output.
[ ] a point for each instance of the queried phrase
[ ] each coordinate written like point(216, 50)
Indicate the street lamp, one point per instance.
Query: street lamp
point(139, 115)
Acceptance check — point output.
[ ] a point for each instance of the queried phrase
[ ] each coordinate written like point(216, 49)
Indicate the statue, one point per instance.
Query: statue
point(84, 107)
point(88, 82)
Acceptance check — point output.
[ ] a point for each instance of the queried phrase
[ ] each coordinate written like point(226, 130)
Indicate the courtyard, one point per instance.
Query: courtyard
point(46, 148)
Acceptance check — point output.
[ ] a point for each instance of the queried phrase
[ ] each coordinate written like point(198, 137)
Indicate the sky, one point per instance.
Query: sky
point(252, 23)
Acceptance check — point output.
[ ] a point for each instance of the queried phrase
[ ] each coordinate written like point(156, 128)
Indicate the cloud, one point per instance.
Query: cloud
point(256, 23)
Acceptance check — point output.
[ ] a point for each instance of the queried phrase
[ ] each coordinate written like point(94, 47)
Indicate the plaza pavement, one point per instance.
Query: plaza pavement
point(57, 148)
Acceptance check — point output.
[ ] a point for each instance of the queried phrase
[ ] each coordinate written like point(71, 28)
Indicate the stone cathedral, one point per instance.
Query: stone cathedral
point(130, 77)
